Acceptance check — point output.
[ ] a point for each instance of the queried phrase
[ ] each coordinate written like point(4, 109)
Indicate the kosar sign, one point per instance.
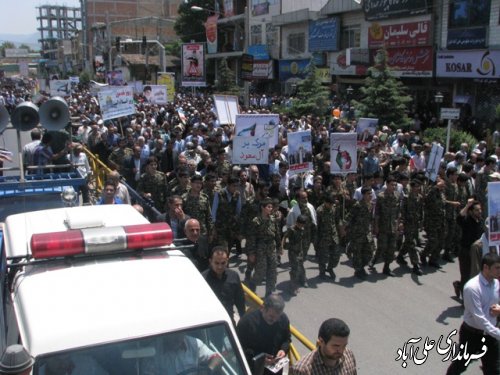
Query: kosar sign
point(468, 64)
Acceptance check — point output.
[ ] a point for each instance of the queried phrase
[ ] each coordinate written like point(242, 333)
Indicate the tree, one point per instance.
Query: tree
point(190, 24)
point(312, 96)
point(226, 83)
point(4, 46)
point(384, 96)
point(173, 48)
point(25, 46)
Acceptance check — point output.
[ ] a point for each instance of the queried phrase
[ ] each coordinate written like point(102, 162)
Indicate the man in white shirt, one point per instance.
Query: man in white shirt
point(479, 333)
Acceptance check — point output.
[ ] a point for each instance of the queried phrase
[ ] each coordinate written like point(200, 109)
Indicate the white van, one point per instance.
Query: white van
point(99, 290)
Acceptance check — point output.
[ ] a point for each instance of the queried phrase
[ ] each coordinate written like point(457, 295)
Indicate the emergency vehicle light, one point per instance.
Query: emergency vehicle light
point(100, 240)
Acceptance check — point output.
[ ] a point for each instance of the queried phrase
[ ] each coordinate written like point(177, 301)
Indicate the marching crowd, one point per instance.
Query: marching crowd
point(178, 157)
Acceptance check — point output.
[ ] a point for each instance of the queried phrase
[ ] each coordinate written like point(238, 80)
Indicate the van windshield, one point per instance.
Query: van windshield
point(202, 350)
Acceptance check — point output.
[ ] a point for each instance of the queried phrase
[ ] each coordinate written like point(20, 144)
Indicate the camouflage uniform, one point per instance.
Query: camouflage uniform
point(411, 215)
point(434, 223)
point(452, 229)
point(177, 189)
point(198, 208)
point(328, 237)
point(387, 214)
point(296, 248)
point(359, 226)
point(315, 198)
point(153, 184)
point(481, 187)
point(264, 239)
point(227, 223)
point(118, 156)
point(310, 227)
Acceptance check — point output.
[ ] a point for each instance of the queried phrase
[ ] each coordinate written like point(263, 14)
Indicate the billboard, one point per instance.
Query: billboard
point(324, 34)
point(468, 64)
point(193, 65)
point(384, 9)
point(410, 34)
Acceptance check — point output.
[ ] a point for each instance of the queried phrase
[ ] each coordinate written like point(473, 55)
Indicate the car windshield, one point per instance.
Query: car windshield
point(202, 350)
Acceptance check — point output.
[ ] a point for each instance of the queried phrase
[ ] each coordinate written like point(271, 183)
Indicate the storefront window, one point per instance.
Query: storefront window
point(256, 34)
point(351, 36)
point(469, 13)
point(296, 43)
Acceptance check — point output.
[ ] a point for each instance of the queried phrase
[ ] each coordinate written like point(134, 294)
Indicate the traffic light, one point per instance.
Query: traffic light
point(117, 43)
point(144, 42)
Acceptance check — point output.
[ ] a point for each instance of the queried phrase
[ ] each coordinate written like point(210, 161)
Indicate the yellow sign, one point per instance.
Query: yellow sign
point(168, 79)
point(324, 75)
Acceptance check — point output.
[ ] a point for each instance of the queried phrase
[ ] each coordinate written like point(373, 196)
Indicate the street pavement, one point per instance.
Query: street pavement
point(383, 313)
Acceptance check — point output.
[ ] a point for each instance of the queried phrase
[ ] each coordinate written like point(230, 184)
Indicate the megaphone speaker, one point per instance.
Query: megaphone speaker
point(54, 113)
point(4, 118)
point(25, 117)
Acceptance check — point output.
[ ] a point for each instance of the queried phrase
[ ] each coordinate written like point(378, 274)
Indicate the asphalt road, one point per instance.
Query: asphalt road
point(382, 312)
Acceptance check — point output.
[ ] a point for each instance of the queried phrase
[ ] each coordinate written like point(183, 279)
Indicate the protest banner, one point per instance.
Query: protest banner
point(494, 213)
point(155, 94)
point(432, 168)
point(193, 65)
point(250, 150)
point(300, 156)
point(116, 101)
point(366, 128)
point(226, 107)
point(60, 87)
point(343, 153)
point(168, 80)
point(261, 126)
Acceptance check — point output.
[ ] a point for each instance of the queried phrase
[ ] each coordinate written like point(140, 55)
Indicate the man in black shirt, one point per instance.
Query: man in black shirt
point(224, 282)
point(265, 331)
point(470, 219)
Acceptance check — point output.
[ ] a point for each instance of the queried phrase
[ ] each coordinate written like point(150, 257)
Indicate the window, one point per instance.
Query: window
point(255, 34)
point(469, 13)
point(271, 34)
point(296, 44)
point(351, 36)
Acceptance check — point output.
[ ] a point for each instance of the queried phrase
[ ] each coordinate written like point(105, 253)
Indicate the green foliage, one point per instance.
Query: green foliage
point(497, 110)
point(173, 48)
point(25, 46)
point(456, 137)
point(384, 96)
point(4, 46)
point(226, 84)
point(312, 97)
point(84, 78)
point(189, 24)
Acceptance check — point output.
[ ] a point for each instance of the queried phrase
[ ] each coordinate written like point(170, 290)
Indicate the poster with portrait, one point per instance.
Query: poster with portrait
point(300, 156)
point(193, 65)
point(115, 78)
point(60, 87)
point(155, 94)
point(226, 108)
point(250, 150)
point(168, 80)
point(494, 213)
point(261, 126)
point(343, 153)
point(366, 128)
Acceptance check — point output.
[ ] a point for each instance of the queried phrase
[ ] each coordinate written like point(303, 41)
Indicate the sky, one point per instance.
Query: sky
point(19, 16)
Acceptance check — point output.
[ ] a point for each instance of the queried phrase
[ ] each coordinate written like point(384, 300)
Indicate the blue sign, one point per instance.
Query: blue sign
point(466, 38)
point(292, 69)
point(258, 51)
point(324, 34)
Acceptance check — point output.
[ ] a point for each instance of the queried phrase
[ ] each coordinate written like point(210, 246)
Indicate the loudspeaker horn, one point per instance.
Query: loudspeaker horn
point(25, 117)
point(54, 113)
point(4, 118)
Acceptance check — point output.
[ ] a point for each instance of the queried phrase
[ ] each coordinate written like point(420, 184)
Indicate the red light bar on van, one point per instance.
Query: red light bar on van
point(100, 240)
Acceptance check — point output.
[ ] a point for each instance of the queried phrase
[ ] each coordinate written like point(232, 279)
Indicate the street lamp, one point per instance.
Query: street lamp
point(349, 91)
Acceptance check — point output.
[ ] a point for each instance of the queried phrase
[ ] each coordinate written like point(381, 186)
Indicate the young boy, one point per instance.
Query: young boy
point(296, 249)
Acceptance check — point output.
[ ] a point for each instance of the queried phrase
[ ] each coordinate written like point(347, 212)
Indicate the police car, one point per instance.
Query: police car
point(100, 290)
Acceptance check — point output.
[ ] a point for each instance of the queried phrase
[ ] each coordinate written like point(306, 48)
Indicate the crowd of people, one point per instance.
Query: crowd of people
point(177, 156)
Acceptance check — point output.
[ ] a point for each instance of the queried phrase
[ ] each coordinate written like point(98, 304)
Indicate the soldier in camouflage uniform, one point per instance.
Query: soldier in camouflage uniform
point(434, 223)
point(451, 211)
point(151, 185)
point(387, 222)
point(316, 194)
point(295, 246)
point(481, 185)
point(196, 205)
point(329, 227)
point(359, 232)
point(264, 238)
point(119, 154)
point(250, 211)
point(180, 184)
point(411, 216)
point(227, 207)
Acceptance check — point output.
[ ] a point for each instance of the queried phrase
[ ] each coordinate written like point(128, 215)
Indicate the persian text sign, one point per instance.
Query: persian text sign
point(116, 101)
point(250, 150)
point(410, 62)
point(324, 34)
point(466, 38)
point(260, 126)
point(384, 9)
point(411, 34)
